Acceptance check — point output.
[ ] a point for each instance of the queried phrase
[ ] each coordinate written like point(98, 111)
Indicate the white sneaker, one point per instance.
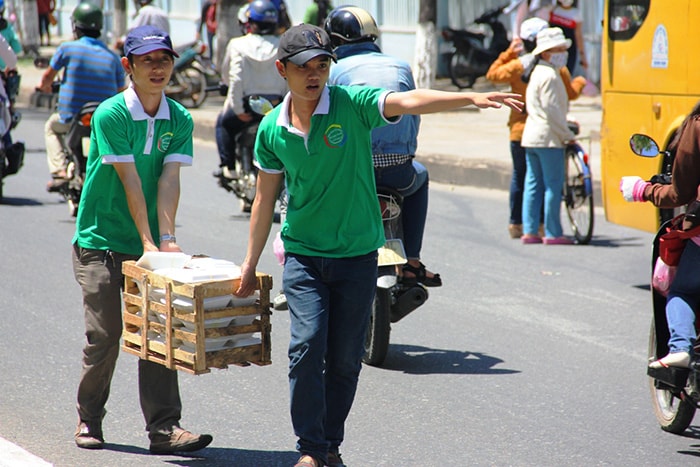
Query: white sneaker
point(228, 173)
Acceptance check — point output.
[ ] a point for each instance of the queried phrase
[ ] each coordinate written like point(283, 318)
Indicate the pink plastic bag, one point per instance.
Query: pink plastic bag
point(663, 276)
point(278, 248)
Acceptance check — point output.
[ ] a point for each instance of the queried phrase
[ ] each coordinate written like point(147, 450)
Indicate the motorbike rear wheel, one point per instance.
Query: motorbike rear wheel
point(460, 71)
point(673, 413)
point(194, 85)
point(377, 339)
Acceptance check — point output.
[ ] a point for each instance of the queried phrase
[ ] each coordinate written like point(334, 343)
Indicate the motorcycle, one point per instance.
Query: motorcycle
point(675, 392)
point(191, 77)
point(471, 56)
point(244, 176)
point(11, 154)
point(393, 299)
point(75, 144)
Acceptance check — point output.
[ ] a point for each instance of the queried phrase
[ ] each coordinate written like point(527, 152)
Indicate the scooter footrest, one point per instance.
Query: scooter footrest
point(671, 376)
point(408, 300)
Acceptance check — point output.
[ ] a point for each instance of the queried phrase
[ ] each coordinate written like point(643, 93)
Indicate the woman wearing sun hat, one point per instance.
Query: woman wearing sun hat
point(544, 139)
point(513, 66)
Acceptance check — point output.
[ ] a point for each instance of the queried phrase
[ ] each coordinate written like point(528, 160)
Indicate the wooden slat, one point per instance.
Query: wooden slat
point(168, 353)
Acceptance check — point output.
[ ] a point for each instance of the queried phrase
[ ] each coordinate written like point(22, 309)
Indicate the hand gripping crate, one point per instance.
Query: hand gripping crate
point(154, 327)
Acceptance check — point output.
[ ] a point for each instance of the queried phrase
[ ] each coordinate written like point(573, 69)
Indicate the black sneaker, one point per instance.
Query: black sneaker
point(89, 436)
point(334, 460)
point(178, 441)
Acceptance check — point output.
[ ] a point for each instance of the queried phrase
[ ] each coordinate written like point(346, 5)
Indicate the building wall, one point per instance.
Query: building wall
point(397, 20)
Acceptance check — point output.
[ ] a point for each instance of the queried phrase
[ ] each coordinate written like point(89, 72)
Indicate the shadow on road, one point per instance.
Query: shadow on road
point(419, 360)
point(215, 457)
point(10, 201)
point(615, 242)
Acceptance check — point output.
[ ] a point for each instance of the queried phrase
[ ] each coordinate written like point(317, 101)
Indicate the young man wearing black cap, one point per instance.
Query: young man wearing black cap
point(128, 206)
point(318, 140)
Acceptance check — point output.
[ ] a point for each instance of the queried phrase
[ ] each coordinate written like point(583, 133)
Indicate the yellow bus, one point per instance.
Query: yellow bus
point(650, 80)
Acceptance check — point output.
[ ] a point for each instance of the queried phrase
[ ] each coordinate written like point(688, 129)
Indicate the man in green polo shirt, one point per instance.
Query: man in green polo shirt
point(319, 141)
point(132, 186)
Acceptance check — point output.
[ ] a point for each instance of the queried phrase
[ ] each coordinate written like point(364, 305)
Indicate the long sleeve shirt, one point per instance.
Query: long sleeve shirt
point(547, 105)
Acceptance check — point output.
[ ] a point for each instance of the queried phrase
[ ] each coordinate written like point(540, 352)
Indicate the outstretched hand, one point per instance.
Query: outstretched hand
point(497, 99)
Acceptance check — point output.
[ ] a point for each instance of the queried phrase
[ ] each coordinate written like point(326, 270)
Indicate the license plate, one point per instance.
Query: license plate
point(392, 253)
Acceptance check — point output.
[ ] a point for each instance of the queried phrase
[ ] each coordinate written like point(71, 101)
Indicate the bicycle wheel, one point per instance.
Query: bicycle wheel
point(578, 194)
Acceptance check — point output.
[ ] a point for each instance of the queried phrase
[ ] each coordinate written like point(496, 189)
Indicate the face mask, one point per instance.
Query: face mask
point(559, 59)
point(566, 3)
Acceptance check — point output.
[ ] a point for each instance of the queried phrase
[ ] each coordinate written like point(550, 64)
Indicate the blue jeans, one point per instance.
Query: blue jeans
point(543, 185)
point(410, 179)
point(228, 125)
point(683, 298)
point(329, 300)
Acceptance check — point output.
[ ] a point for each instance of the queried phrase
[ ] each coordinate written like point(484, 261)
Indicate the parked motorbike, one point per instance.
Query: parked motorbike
point(393, 299)
point(190, 80)
point(675, 392)
point(473, 51)
point(11, 154)
point(245, 173)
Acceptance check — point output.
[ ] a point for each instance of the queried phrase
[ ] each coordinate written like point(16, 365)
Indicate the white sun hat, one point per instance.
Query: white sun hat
point(550, 38)
point(530, 28)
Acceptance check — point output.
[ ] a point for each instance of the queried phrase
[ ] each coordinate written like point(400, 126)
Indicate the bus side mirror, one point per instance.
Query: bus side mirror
point(643, 145)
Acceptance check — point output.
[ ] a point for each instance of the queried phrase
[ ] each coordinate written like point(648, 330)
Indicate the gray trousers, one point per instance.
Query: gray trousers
point(99, 274)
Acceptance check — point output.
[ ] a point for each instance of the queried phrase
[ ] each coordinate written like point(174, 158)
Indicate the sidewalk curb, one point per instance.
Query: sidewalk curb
point(474, 172)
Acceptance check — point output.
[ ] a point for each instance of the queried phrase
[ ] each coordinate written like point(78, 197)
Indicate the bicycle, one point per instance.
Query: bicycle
point(577, 193)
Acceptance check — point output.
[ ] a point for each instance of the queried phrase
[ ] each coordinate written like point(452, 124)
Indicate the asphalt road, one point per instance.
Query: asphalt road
point(527, 356)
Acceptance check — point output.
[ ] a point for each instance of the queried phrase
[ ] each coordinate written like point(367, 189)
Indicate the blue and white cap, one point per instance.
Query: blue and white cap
point(145, 39)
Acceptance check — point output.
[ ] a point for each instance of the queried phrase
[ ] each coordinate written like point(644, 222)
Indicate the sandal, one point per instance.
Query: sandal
point(308, 461)
point(420, 277)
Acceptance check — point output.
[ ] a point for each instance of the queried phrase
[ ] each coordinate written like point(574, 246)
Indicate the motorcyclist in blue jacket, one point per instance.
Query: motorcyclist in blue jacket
point(353, 32)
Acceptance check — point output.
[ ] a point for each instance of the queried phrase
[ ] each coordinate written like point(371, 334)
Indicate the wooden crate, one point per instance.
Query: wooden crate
point(163, 343)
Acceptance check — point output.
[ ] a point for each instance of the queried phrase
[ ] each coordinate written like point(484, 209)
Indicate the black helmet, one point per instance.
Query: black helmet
point(350, 24)
point(87, 16)
point(263, 11)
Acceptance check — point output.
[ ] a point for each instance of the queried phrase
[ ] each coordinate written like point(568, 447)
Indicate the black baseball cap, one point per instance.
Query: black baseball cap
point(302, 42)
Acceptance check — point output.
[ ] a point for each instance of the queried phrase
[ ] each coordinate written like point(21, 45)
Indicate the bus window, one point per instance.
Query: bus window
point(626, 17)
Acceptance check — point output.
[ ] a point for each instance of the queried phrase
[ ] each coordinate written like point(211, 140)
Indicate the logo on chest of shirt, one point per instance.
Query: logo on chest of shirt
point(164, 141)
point(335, 136)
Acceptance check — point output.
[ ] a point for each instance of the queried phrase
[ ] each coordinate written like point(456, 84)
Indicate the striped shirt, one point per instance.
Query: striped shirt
point(92, 73)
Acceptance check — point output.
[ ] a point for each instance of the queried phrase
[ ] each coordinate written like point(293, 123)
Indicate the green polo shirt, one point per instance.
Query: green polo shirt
point(333, 209)
point(122, 132)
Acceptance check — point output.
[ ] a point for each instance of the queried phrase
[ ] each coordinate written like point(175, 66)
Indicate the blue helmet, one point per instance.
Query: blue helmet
point(263, 11)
